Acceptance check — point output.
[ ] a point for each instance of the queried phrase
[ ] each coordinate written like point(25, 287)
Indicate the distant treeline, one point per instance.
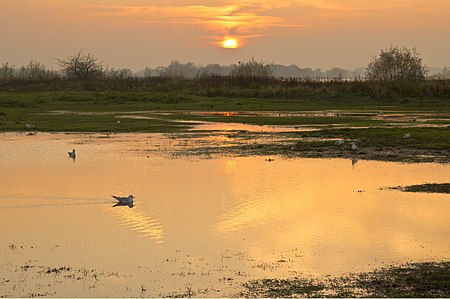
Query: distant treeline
point(83, 72)
point(192, 70)
point(37, 70)
point(90, 67)
point(247, 87)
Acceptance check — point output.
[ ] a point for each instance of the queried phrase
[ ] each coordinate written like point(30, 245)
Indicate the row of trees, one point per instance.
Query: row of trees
point(391, 64)
point(80, 66)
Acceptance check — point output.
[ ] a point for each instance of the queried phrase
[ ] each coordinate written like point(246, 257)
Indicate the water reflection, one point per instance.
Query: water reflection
point(119, 204)
point(230, 127)
point(140, 222)
point(246, 204)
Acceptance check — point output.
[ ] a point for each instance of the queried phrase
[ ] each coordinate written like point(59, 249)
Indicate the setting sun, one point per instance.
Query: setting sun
point(230, 43)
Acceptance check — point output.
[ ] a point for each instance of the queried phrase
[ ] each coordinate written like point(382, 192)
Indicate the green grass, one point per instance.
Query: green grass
point(359, 123)
point(421, 137)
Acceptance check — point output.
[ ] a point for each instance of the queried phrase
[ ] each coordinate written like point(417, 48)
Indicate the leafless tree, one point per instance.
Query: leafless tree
point(81, 66)
point(253, 68)
point(397, 64)
point(6, 71)
point(35, 70)
point(118, 74)
point(445, 74)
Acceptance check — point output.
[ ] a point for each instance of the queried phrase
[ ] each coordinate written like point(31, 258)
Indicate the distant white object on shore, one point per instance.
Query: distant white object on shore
point(339, 142)
point(30, 126)
point(72, 154)
point(354, 147)
point(406, 136)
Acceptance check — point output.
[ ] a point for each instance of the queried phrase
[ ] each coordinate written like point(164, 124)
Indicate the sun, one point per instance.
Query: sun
point(230, 43)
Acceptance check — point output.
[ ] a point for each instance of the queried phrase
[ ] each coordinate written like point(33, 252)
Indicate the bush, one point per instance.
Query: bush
point(397, 64)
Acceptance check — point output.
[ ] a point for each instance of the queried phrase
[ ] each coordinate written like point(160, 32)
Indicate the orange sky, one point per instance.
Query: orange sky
point(139, 33)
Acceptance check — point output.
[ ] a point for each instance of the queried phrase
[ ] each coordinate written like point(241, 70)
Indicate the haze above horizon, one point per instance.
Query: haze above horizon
point(140, 33)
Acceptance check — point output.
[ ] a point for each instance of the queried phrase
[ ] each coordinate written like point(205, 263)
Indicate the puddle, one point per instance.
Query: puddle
point(200, 225)
point(134, 117)
point(278, 113)
point(218, 126)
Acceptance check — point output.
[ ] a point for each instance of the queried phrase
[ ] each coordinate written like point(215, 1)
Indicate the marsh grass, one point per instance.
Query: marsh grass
point(427, 188)
point(165, 112)
point(413, 280)
point(421, 137)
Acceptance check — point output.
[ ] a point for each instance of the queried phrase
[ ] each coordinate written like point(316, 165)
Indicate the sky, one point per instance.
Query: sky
point(150, 33)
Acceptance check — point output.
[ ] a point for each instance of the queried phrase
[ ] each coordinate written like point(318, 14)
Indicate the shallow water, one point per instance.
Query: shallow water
point(201, 224)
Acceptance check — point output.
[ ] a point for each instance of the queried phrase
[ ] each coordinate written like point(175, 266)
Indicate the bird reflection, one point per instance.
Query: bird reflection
point(119, 204)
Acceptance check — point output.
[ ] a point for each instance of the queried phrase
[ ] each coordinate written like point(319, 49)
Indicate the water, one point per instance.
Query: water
point(205, 224)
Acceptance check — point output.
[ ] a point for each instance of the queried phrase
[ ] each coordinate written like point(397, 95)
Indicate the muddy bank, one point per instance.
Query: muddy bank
point(408, 280)
point(35, 278)
point(243, 143)
point(427, 188)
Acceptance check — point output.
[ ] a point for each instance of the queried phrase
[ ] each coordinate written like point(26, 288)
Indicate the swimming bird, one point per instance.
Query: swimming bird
point(406, 136)
point(414, 119)
point(72, 154)
point(354, 147)
point(125, 200)
point(339, 142)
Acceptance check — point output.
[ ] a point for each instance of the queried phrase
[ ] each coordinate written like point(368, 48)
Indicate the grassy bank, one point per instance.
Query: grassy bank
point(312, 132)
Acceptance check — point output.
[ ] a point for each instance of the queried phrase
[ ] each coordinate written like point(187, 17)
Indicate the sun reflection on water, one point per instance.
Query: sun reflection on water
point(139, 221)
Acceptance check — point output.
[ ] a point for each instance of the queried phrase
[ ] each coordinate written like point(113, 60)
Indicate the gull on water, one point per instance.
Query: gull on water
point(354, 147)
point(125, 200)
point(72, 154)
point(339, 142)
point(406, 136)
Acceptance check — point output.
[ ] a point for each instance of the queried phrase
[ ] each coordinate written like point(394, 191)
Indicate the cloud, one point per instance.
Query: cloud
point(240, 18)
point(244, 19)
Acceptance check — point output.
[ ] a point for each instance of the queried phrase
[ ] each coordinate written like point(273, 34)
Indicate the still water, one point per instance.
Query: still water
point(206, 225)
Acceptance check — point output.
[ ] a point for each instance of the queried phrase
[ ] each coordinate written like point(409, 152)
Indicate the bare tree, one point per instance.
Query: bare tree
point(445, 74)
point(397, 64)
point(81, 66)
point(6, 71)
point(118, 74)
point(253, 68)
point(35, 71)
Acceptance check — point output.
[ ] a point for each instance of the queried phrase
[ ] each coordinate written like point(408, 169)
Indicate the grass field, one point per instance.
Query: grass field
point(379, 135)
